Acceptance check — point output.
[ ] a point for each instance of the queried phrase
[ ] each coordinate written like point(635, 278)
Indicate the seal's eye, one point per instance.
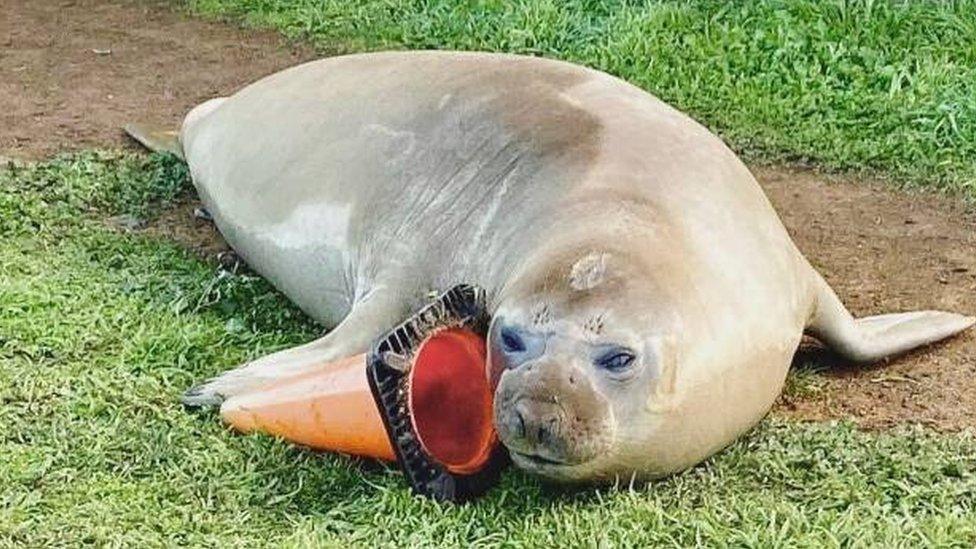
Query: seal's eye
point(511, 341)
point(615, 360)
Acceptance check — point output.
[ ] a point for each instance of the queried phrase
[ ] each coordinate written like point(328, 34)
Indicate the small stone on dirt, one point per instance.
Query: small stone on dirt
point(229, 261)
point(128, 222)
point(202, 214)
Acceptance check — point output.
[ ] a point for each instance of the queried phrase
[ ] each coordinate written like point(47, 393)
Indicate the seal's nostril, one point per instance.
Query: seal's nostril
point(546, 431)
point(519, 424)
point(542, 434)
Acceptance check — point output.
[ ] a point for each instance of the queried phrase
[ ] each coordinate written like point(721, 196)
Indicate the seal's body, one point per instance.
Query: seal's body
point(646, 299)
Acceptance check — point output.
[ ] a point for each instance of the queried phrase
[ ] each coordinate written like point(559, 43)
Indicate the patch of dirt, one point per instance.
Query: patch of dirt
point(73, 72)
point(882, 250)
point(885, 251)
point(181, 224)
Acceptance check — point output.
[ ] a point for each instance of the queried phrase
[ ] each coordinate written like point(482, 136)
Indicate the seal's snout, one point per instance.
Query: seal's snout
point(533, 430)
point(549, 416)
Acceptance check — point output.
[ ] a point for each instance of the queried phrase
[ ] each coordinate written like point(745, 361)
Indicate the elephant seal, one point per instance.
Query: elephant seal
point(646, 299)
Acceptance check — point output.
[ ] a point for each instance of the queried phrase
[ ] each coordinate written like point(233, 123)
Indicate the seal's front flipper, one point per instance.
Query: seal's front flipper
point(368, 318)
point(269, 369)
point(875, 337)
point(420, 396)
point(155, 139)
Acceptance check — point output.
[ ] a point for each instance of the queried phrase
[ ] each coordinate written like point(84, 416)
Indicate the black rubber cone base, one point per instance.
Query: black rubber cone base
point(428, 378)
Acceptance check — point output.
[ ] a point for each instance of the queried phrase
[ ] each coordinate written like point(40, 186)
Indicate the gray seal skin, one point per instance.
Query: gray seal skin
point(646, 298)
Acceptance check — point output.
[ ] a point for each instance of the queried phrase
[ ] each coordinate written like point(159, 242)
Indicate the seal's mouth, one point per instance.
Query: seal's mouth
point(552, 469)
point(536, 460)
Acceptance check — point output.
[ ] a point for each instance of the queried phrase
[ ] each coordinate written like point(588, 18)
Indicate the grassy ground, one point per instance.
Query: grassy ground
point(100, 330)
point(887, 87)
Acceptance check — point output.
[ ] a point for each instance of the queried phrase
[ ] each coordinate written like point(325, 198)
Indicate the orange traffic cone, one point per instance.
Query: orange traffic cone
point(331, 408)
point(421, 396)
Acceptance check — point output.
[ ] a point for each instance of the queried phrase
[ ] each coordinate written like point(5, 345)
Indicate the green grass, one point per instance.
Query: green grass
point(882, 87)
point(100, 331)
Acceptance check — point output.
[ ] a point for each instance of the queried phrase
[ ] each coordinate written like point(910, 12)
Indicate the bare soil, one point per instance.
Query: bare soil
point(73, 72)
point(885, 251)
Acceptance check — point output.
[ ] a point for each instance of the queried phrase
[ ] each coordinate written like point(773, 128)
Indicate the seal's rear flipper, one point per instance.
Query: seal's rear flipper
point(875, 337)
point(155, 139)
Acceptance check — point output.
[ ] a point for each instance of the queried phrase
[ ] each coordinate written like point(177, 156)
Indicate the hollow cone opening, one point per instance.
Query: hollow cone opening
point(451, 401)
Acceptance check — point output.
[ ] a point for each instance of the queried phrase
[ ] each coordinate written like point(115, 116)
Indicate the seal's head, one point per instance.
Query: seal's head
point(581, 363)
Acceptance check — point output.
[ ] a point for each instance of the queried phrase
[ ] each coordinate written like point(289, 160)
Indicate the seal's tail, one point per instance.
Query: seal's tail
point(872, 338)
point(155, 139)
point(168, 140)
